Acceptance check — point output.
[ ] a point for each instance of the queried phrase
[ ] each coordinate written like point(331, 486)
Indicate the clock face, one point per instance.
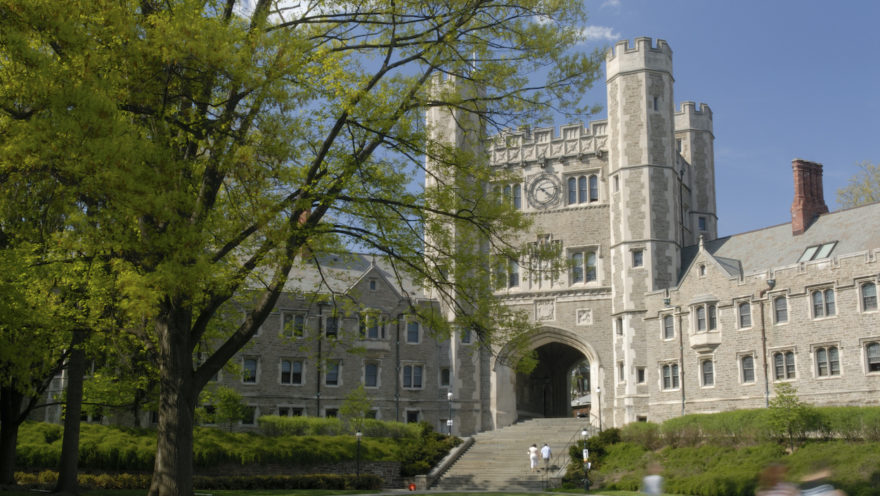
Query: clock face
point(544, 191)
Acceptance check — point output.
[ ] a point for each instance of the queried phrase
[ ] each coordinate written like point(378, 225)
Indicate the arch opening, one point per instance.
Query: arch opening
point(557, 387)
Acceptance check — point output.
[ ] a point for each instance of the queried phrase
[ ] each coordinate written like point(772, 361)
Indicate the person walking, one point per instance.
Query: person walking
point(771, 482)
point(653, 482)
point(545, 455)
point(533, 457)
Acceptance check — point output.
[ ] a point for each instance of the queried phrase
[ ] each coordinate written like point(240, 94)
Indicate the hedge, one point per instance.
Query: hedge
point(47, 478)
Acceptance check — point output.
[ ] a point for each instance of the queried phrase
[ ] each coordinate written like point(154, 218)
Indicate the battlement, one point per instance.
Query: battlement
point(527, 145)
point(693, 116)
point(643, 55)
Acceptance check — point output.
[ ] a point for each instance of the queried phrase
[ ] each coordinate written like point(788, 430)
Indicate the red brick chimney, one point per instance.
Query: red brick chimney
point(809, 201)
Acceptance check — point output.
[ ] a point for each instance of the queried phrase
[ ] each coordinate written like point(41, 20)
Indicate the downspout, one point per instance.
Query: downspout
point(771, 283)
point(397, 369)
point(318, 368)
point(681, 357)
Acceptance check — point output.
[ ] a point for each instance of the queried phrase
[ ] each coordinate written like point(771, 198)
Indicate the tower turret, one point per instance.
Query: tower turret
point(694, 144)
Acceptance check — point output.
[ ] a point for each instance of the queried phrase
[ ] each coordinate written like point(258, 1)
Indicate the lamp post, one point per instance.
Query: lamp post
point(586, 454)
point(599, 405)
point(358, 436)
point(449, 419)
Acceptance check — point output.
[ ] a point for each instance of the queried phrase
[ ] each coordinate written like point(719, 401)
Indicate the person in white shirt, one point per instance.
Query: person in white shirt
point(545, 454)
point(533, 456)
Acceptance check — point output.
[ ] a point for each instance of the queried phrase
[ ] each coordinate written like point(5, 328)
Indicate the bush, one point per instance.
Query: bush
point(417, 456)
point(644, 434)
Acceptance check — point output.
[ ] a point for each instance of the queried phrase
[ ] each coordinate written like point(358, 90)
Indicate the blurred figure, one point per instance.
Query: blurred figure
point(545, 455)
point(771, 482)
point(817, 484)
point(653, 482)
point(533, 457)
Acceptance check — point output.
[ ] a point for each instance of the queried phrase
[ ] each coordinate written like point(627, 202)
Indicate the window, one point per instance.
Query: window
point(701, 223)
point(670, 376)
point(817, 252)
point(707, 367)
point(412, 416)
point(331, 326)
point(620, 372)
point(250, 415)
point(619, 326)
point(290, 411)
point(513, 195)
point(444, 376)
point(823, 303)
point(506, 273)
point(780, 309)
point(331, 376)
point(678, 145)
point(705, 318)
point(638, 258)
point(701, 319)
point(293, 324)
point(372, 285)
point(249, 371)
point(412, 376)
point(702, 269)
point(291, 371)
point(872, 353)
point(583, 266)
point(616, 184)
point(656, 104)
point(331, 412)
point(745, 315)
point(466, 336)
point(783, 364)
point(372, 326)
point(583, 189)
point(640, 375)
point(371, 374)
point(412, 332)
point(668, 327)
point(748, 368)
point(827, 361)
point(869, 297)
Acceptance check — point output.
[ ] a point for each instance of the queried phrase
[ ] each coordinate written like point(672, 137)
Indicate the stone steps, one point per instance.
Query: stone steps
point(498, 460)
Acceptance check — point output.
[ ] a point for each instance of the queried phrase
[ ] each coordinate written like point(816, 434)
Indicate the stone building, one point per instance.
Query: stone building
point(652, 317)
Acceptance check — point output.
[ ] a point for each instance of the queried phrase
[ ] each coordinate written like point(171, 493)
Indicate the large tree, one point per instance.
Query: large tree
point(863, 188)
point(216, 146)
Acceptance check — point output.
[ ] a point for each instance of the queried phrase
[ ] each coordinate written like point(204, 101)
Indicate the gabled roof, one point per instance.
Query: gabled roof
point(854, 230)
point(340, 273)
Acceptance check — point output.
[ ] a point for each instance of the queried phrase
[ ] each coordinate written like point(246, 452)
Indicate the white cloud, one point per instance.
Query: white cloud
point(610, 3)
point(602, 33)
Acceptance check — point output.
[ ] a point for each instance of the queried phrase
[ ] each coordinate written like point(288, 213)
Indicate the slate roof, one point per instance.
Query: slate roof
point(339, 273)
point(854, 229)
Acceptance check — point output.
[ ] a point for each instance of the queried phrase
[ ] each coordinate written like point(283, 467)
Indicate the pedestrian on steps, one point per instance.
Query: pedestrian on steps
point(545, 454)
point(533, 456)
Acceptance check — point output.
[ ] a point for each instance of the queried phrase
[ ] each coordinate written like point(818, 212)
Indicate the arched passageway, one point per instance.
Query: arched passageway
point(547, 390)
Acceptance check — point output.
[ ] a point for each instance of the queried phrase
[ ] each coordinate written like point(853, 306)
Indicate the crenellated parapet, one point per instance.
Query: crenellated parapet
point(526, 145)
point(642, 55)
point(693, 117)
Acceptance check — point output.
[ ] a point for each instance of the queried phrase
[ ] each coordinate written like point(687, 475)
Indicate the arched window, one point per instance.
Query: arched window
point(594, 188)
point(784, 365)
point(668, 327)
point(823, 303)
point(701, 318)
point(572, 191)
point(869, 297)
point(745, 315)
point(780, 308)
point(748, 368)
point(577, 267)
point(827, 361)
point(872, 353)
point(708, 369)
point(582, 189)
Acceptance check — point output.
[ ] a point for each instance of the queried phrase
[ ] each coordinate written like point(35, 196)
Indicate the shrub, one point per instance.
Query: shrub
point(644, 434)
point(417, 456)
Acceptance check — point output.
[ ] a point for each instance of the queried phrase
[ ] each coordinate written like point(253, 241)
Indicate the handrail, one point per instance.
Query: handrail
point(561, 458)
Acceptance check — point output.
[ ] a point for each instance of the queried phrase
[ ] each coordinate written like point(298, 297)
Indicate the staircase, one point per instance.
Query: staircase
point(499, 461)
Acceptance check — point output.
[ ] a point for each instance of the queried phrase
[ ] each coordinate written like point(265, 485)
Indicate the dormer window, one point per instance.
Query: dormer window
point(817, 252)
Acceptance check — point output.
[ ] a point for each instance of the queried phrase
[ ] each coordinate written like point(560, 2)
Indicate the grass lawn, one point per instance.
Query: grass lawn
point(304, 492)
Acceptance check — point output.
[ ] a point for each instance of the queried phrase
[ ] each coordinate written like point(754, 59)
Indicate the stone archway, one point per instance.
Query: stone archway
point(545, 392)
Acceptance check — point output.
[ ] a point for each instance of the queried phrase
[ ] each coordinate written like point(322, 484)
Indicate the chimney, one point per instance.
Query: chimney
point(809, 201)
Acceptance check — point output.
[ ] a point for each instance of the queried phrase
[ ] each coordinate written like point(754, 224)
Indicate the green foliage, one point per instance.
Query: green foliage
point(46, 479)
point(863, 188)
point(355, 407)
point(273, 425)
point(227, 406)
point(644, 434)
point(419, 455)
point(789, 417)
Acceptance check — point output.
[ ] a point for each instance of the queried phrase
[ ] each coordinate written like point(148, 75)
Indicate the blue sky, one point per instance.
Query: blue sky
point(785, 79)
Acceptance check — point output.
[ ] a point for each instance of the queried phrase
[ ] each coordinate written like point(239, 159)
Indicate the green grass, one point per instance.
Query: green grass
point(312, 492)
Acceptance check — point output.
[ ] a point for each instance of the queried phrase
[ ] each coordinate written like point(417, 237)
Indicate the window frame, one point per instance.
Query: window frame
point(823, 307)
point(789, 367)
point(670, 379)
point(744, 319)
point(707, 377)
point(408, 376)
point(638, 257)
point(376, 376)
point(584, 263)
point(294, 331)
point(667, 331)
point(827, 366)
point(291, 362)
point(868, 303)
point(336, 366)
point(777, 309)
point(418, 332)
point(751, 369)
point(371, 325)
point(872, 356)
point(245, 377)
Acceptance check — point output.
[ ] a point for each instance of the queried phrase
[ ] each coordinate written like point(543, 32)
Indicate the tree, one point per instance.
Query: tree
point(209, 152)
point(355, 407)
point(790, 418)
point(863, 188)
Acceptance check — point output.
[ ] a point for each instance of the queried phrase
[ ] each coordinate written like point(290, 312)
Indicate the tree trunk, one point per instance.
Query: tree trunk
point(173, 470)
point(69, 463)
point(10, 418)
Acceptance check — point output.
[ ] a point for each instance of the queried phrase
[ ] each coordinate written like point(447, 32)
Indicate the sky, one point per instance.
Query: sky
point(785, 79)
